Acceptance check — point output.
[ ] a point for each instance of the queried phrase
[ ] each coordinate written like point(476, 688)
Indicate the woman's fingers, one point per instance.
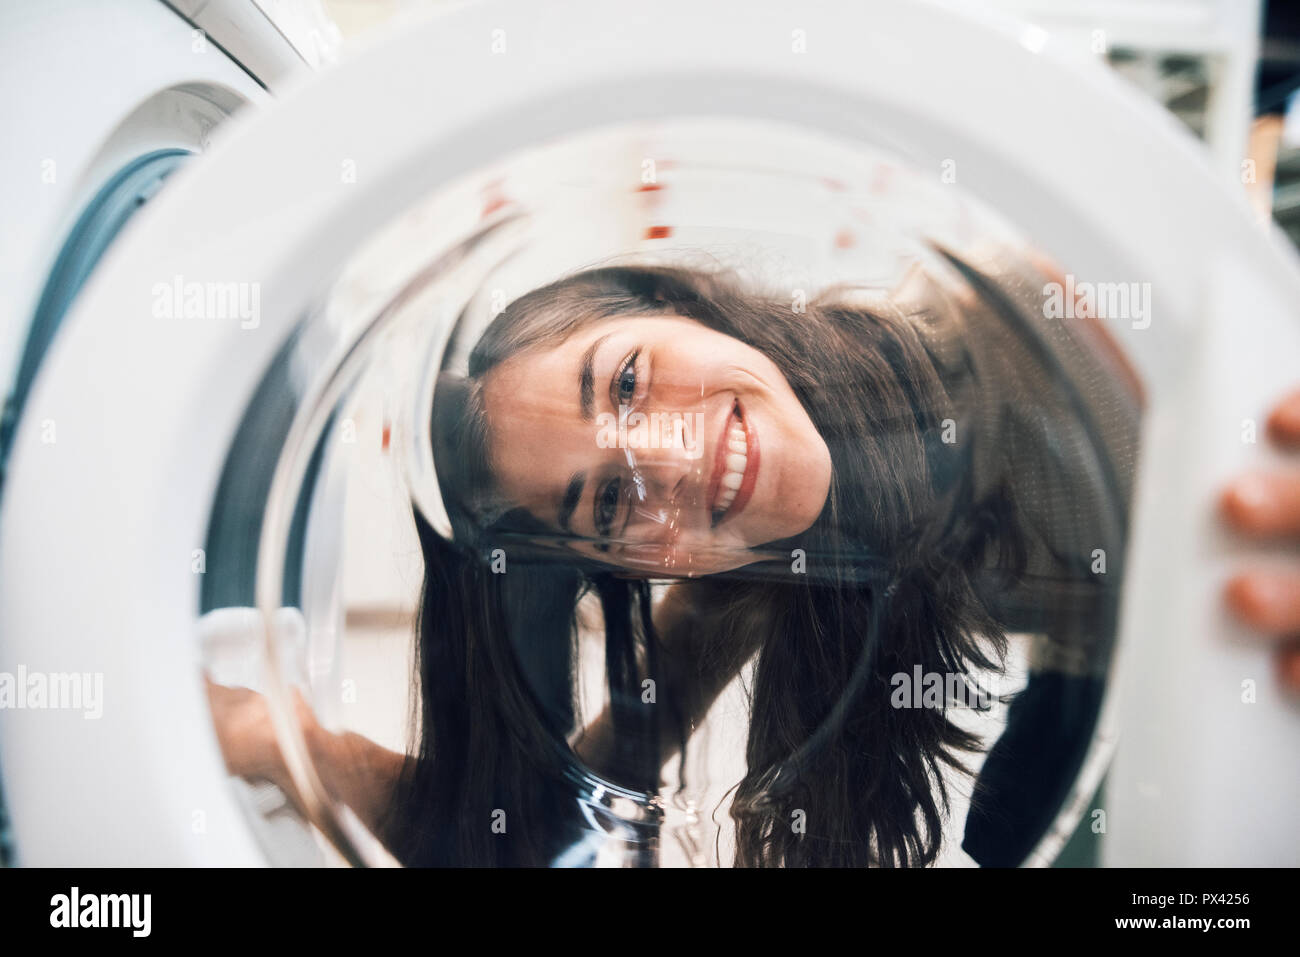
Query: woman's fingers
point(1267, 505)
point(1267, 599)
point(1288, 664)
point(1284, 423)
point(1270, 602)
point(1263, 504)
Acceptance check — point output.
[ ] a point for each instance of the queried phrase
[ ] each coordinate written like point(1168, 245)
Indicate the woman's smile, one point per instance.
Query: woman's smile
point(735, 469)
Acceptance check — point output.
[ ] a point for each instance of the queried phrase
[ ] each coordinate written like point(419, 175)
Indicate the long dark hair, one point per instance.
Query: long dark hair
point(918, 531)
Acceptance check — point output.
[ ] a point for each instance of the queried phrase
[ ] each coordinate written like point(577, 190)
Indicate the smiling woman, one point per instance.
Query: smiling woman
point(667, 506)
point(883, 484)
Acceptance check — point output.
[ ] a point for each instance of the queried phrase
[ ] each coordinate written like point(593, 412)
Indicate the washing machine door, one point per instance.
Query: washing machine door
point(118, 100)
point(182, 429)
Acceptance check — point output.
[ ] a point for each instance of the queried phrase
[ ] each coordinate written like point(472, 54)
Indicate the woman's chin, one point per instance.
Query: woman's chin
point(776, 531)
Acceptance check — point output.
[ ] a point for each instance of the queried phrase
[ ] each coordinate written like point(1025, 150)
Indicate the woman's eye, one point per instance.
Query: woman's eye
point(607, 505)
point(625, 380)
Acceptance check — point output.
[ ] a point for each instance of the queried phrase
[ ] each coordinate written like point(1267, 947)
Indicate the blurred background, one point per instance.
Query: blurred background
point(1227, 69)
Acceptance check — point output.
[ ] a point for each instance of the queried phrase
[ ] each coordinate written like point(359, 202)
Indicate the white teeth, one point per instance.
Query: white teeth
point(734, 476)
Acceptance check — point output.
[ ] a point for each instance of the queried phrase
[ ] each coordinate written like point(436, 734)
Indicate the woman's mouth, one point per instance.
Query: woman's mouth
point(735, 468)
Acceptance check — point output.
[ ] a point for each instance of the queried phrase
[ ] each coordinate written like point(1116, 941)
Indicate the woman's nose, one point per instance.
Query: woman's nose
point(667, 474)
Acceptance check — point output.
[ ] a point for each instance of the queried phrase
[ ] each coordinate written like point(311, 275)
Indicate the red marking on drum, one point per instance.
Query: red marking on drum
point(493, 203)
point(881, 178)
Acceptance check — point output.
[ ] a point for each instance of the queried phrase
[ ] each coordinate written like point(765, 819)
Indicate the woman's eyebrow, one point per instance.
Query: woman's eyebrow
point(587, 380)
point(572, 495)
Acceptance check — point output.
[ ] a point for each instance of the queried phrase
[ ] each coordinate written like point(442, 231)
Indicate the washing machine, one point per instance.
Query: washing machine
point(119, 98)
point(184, 445)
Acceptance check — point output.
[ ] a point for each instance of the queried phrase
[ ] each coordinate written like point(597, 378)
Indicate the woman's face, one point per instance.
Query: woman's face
point(671, 448)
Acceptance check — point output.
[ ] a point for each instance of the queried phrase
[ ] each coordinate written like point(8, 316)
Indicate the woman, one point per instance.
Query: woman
point(849, 490)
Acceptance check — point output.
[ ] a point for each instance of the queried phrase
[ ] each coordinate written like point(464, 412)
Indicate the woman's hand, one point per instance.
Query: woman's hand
point(353, 769)
point(247, 738)
point(1267, 506)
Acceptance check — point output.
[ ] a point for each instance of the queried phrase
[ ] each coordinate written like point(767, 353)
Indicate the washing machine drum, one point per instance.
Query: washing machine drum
point(713, 463)
point(779, 570)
